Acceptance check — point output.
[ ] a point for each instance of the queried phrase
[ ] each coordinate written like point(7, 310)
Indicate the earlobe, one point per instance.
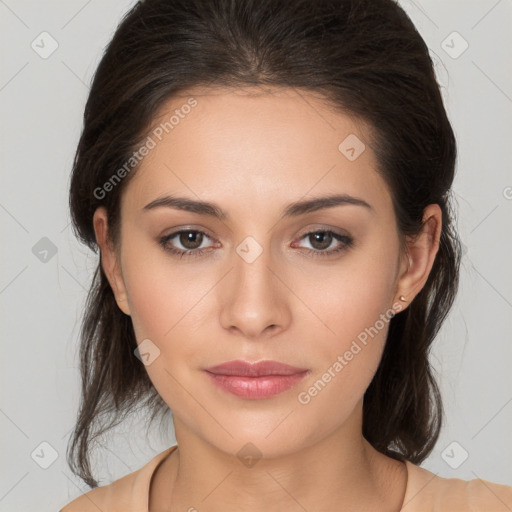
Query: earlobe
point(421, 253)
point(109, 259)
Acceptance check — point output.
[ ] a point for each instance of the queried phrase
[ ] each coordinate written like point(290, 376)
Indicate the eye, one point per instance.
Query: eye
point(190, 239)
point(322, 239)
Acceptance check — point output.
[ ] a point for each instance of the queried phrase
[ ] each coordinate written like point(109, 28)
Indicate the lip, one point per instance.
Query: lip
point(259, 369)
point(255, 380)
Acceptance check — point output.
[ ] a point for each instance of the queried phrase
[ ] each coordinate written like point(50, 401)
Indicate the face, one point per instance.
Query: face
point(313, 288)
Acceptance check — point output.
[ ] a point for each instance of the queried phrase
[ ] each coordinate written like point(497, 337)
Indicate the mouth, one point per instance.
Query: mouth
point(255, 380)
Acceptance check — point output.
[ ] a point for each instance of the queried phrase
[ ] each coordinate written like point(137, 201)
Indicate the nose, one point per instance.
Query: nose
point(255, 298)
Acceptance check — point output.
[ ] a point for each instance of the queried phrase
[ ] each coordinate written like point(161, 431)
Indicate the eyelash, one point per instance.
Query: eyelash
point(348, 242)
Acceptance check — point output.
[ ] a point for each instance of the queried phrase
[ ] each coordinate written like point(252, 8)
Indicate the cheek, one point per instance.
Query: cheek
point(353, 302)
point(166, 308)
point(159, 291)
point(347, 362)
point(350, 295)
point(168, 304)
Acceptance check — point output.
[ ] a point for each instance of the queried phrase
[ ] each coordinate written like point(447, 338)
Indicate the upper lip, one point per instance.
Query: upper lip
point(259, 369)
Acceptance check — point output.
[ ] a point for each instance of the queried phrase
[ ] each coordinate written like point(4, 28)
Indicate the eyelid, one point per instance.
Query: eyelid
point(344, 239)
point(323, 227)
point(179, 231)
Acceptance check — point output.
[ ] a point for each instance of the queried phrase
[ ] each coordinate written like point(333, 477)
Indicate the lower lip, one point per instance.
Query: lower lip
point(256, 387)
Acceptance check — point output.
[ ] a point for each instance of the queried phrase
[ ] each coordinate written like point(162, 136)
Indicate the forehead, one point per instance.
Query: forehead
point(252, 148)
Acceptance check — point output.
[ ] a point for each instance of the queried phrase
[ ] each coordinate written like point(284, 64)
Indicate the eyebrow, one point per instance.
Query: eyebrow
point(294, 209)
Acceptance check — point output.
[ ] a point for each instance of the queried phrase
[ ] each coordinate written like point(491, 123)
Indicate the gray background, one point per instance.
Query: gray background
point(41, 301)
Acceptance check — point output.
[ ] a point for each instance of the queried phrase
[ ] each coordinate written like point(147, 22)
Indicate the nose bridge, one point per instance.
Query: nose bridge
point(256, 298)
point(252, 266)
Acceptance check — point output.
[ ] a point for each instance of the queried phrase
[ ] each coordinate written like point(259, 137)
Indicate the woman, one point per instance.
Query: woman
point(268, 183)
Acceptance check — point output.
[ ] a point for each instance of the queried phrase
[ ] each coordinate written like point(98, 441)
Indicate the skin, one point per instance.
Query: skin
point(253, 153)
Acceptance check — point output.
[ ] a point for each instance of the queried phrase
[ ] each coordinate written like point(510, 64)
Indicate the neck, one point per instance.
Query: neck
point(339, 471)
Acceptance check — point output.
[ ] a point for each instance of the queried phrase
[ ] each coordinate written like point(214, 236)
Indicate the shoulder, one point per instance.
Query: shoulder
point(108, 497)
point(127, 494)
point(427, 492)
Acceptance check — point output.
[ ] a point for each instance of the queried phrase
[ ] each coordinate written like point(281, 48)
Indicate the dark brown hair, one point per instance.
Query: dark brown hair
point(367, 59)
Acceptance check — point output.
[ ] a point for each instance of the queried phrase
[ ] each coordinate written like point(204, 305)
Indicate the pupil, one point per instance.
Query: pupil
point(325, 238)
point(189, 236)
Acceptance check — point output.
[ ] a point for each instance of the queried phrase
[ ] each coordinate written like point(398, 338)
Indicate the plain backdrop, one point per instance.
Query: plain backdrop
point(42, 293)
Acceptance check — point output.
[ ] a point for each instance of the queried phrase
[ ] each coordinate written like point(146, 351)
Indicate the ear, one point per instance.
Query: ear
point(109, 259)
point(421, 253)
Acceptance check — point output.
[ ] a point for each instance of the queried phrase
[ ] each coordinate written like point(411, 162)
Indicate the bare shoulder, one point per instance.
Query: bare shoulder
point(113, 497)
point(129, 493)
point(427, 491)
point(489, 496)
point(91, 501)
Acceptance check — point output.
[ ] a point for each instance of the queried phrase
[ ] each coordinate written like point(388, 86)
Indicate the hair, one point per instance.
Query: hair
point(368, 60)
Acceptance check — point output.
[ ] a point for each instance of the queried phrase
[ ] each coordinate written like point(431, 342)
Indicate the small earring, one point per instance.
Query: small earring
point(402, 298)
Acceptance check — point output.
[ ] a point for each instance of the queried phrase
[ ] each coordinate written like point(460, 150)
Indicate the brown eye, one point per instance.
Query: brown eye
point(321, 240)
point(190, 239)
